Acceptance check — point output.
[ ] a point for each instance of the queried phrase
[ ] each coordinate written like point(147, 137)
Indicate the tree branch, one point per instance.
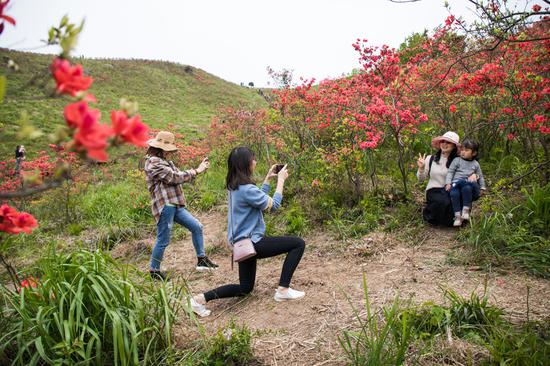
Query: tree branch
point(33, 190)
point(547, 162)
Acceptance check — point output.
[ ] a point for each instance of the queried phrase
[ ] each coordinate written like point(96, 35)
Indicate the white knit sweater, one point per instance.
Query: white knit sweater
point(437, 174)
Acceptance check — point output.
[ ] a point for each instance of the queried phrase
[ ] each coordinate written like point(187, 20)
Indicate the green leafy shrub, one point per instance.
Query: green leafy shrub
point(116, 205)
point(528, 344)
point(471, 317)
point(513, 233)
point(296, 221)
point(378, 342)
point(427, 320)
point(538, 210)
point(207, 201)
point(87, 309)
point(354, 221)
point(230, 346)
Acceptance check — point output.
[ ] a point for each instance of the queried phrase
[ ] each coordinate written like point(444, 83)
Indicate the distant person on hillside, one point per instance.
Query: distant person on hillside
point(464, 191)
point(168, 203)
point(438, 210)
point(245, 220)
point(19, 157)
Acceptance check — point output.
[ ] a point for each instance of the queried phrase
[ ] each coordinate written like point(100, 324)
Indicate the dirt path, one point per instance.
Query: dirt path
point(305, 332)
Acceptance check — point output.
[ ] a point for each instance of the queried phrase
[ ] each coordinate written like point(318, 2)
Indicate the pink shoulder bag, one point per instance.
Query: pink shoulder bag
point(241, 249)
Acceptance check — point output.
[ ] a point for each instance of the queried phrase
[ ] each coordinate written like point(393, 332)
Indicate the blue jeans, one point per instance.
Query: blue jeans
point(463, 193)
point(181, 216)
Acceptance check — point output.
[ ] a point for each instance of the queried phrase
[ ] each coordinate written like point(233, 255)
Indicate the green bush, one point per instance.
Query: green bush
point(116, 205)
point(354, 221)
point(377, 342)
point(296, 221)
point(538, 210)
point(471, 317)
point(518, 346)
point(230, 346)
point(513, 233)
point(427, 320)
point(87, 309)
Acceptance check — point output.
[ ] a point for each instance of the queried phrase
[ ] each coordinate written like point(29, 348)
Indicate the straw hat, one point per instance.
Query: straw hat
point(449, 136)
point(164, 140)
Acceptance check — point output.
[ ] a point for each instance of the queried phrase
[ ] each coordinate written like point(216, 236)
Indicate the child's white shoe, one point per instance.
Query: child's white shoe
point(457, 222)
point(290, 294)
point(465, 213)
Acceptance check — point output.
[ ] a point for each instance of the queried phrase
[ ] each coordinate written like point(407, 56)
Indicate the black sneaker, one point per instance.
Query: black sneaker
point(205, 264)
point(158, 275)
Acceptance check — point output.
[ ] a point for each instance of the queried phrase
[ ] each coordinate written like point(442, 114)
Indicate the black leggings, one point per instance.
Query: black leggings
point(265, 248)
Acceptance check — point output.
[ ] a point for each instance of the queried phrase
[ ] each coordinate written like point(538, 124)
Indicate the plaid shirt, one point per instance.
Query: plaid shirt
point(164, 183)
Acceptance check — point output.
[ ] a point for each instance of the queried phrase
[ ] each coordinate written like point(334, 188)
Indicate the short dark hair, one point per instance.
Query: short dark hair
point(471, 145)
point(238, 167)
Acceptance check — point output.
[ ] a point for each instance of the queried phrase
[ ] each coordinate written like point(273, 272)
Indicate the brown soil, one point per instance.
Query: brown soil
point(305, 332)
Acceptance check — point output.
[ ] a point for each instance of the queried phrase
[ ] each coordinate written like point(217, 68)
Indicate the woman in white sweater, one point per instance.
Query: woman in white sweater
point(438, 210)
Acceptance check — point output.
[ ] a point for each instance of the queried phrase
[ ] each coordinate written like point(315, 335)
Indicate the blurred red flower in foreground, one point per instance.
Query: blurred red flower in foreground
point(69, 79)
point(4, 17)
point(13, 222)
point(131, 130)
point(90, 135)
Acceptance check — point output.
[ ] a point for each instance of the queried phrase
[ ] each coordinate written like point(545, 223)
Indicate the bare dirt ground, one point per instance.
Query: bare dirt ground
point(305, 332)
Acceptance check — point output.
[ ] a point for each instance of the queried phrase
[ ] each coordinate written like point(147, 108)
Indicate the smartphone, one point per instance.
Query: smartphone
point(278, 168)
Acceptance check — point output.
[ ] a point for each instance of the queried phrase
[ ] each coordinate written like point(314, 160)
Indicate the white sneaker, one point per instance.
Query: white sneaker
point(465, 214)
point(289, 295)
point(457, 222)
point(199, 309)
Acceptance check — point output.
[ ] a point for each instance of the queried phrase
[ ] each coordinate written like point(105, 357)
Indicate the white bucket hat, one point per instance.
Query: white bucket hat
point(448, 136)
point(164, 140)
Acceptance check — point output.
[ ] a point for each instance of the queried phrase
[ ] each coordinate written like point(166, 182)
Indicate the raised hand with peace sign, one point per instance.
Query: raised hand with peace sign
point(421, 162)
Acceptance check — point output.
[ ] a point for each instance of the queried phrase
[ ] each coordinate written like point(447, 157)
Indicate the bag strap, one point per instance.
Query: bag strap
point(430, 165)
point(231, 226)
point(231, 217)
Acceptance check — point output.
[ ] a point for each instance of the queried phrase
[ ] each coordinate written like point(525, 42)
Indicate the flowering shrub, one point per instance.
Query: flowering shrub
point(446, 81)
point(34, 172)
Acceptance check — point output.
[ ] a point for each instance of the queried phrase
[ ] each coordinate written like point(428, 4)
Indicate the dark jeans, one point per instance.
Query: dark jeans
point(438, 210)
point(463, 193)
point(265, 248)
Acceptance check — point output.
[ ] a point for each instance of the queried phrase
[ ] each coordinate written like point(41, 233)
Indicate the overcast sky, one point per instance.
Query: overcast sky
point(233, 39)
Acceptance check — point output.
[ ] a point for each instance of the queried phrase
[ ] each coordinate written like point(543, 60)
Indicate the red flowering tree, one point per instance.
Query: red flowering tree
point(493, 94)
point(232, 127)
point(345, 118)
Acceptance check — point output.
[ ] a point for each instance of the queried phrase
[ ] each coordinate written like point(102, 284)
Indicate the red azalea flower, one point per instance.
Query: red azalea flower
point(4, 17)
point(13, 222)
point(29, 282)
point(90, 135)
point(536, 8)
point(130, 130)
point(76, 112)
point(452, 108)
point(69, 79)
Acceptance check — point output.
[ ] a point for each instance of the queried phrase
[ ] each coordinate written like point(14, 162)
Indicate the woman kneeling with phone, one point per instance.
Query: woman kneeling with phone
point(245, 220)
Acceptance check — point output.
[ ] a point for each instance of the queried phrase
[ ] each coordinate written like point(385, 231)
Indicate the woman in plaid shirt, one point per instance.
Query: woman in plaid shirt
point(168, 203)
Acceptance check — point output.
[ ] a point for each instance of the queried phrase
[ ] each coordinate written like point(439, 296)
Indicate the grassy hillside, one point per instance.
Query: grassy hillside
point(166, 92)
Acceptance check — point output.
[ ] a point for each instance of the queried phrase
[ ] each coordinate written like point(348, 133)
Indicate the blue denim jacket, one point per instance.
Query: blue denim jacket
point(245, 218)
